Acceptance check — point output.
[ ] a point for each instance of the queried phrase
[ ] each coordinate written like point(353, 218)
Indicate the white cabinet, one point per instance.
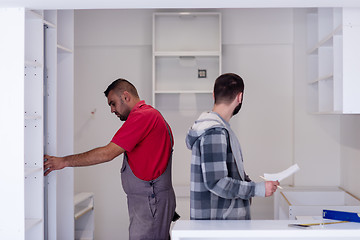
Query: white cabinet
point(186, 57)
point(295, 203)
point(48, 122)
point(31, 95)
point(262, 230)
point(84, 216)
point(58, 120)
point(333, 54)
point(34, 126)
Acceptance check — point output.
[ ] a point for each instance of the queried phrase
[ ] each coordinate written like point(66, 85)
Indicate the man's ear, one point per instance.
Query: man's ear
point(239, 97)
point(127, 96)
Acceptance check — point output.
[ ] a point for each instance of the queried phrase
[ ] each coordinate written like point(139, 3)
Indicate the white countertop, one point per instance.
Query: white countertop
point(262, 229)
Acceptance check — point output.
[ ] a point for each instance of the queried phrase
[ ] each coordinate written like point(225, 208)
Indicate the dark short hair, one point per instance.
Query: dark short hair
point(226, 87)
point(120, 85)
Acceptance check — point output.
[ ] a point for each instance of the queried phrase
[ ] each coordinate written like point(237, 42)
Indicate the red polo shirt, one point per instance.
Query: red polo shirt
point(146, 140)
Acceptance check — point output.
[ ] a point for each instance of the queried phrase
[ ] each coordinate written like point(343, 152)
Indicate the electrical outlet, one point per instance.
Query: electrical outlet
point(201, 73)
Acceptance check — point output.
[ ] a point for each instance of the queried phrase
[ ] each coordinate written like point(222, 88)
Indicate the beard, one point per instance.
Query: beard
point(237, 109)
point(123, 116)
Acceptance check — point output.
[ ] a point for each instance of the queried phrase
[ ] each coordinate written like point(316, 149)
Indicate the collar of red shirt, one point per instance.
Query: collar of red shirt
point(138, 105)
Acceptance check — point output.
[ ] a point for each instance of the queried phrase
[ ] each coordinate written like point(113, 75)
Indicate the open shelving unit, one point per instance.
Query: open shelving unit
point(185, 43)
point(34, 126)
point(48, 73)
point(58, 120)
point(333, 37)
point(84, 216)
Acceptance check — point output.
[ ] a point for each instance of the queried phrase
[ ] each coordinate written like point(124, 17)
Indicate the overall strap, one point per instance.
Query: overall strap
point(168, 128)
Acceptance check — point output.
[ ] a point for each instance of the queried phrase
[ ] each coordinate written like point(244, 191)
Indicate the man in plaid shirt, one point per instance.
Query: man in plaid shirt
point(220, 188)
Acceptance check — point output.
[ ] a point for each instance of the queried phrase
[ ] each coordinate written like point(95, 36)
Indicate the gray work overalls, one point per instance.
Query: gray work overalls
point(151, 204)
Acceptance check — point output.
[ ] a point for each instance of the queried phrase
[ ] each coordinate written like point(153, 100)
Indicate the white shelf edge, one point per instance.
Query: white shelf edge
point(83, 211)
point(33, 15)
point(325, 39)
point(31, 222)
point(322, 78)
point(64, 49)
point(327, 112)
point(49, 24)
point(187, 53)
point(334, 112)
point(80, 197)
point(32, 117)
point(186, 13)
point(181, 91)
point(29, 63)
point(31, 170)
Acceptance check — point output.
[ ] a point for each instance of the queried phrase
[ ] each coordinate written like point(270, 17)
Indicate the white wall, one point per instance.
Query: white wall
point(327, 146)
point(258, 46)
point(267, 48)
point(350, 153)
point(108, 45)
point(316, 137)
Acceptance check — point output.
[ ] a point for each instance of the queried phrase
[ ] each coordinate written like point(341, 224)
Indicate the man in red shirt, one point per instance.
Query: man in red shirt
point(146, 141)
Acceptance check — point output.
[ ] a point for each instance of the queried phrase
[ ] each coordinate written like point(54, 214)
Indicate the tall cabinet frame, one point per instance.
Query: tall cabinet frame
point(59, 130)
point(34, 125)
point(38, 98)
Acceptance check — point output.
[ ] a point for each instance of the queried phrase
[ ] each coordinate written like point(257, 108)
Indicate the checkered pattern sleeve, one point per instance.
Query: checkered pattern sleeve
point(219, 168)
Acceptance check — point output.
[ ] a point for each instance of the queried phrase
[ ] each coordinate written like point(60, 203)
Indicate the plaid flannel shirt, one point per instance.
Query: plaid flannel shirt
point(217, 190)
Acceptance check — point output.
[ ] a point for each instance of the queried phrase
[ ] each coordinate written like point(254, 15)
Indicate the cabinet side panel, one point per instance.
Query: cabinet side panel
point(12, 123)
point(351, 53)
point(65, 126)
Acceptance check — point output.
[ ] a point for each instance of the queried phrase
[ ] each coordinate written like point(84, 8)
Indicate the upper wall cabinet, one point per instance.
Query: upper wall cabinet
point(186, 55)
point(333, 58)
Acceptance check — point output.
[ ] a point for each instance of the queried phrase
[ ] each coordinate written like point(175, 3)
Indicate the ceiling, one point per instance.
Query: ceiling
point(169, 4)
